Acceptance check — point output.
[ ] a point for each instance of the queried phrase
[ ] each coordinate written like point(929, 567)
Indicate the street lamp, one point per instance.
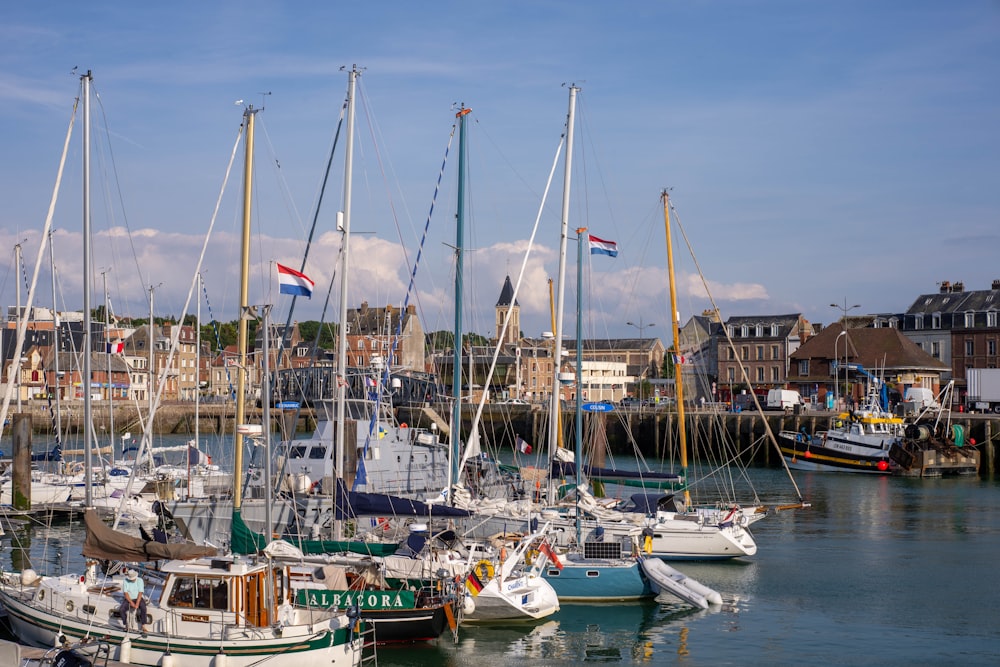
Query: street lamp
point(843, 324)
point(645, 362)
point(836, 362)
point(844, 309)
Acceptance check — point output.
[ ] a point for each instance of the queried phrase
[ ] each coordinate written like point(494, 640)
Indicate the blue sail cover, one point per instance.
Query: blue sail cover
point(568, 469)
point(352, 504)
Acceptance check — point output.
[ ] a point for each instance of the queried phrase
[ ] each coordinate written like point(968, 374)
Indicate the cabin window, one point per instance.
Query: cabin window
point(297, 452)
point(317, 453)
point(200, 593)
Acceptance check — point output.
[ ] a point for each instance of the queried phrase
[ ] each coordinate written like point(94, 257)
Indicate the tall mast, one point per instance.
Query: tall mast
point(456, 375)
point(107, 357)
point(345, 225)
point(675, 330)
point(578, 451)
point(55, 338)
point(555, 410)
point(241, 372)
point(88, 346)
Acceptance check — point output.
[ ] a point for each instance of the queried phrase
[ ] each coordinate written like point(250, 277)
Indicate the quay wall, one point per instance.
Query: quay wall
point(654, 432)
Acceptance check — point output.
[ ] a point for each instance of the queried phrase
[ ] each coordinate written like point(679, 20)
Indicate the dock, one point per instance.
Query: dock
point(13, 654)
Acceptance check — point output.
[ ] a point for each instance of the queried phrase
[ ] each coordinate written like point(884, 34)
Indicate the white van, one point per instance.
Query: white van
point(921, 398)
point(784, 399)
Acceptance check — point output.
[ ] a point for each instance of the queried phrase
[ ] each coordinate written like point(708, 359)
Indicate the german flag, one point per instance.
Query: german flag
point(473, 584)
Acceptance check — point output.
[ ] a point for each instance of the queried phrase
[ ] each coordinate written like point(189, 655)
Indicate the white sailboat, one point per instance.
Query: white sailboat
point(210, 610)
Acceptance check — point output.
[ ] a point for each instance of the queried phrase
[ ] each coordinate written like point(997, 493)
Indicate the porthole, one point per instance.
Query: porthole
point(70, 606)
point(41, 595)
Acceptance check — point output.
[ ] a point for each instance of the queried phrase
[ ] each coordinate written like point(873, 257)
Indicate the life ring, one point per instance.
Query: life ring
point(383, 523)
point(484, 570)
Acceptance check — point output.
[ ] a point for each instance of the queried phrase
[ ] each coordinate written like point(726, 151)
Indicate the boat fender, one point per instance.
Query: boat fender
point(125, 651)
point(220, 660)
point(468, 605)
point(167, 660)
point(484, 570)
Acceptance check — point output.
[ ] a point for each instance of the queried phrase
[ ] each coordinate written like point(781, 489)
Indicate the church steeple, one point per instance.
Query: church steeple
point(504, 303)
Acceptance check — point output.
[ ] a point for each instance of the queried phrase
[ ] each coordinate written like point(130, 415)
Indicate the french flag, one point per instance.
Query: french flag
point(602, 247)
point(293, 282)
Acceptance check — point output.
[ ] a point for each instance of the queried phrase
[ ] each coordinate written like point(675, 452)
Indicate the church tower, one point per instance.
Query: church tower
point(504, 303)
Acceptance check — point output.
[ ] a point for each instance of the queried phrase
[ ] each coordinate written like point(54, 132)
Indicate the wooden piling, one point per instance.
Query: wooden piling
point(20, 488)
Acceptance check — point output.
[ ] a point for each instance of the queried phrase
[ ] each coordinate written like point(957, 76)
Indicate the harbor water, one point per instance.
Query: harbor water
point(878, 571)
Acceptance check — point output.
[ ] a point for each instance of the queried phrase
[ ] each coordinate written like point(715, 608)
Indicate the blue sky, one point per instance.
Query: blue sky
point(817, 153)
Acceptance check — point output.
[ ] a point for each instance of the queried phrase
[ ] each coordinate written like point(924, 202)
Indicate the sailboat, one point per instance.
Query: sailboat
point(210, 609)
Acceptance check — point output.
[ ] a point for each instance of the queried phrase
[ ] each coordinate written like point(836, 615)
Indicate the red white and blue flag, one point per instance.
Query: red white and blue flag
point(115, 348)
point(679, 359)
point(522, 445)
point(293, 282)
point(602, 247)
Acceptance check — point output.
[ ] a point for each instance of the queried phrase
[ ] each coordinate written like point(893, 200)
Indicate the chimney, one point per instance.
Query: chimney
point(996, 284)
point(945, 287)
point(958, 287)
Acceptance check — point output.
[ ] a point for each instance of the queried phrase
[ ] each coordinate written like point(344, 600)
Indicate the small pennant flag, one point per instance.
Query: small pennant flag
point(291, 281)
point(522, 445)
point(602, 247)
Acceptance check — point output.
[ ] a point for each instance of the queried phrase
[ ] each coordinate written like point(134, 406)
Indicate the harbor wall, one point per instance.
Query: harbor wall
point(653, 432)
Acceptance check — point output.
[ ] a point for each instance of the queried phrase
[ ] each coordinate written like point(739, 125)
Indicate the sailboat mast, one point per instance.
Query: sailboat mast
point(88, 346)
point(555, 410)
point(456, 374)
point(352, 78)
point(241, 369)
point(578, 452)
point(55, 343)
point(675, 331)
point(107, 358)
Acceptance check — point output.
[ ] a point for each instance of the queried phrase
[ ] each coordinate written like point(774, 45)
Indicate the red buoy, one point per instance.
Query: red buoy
point(883, 465)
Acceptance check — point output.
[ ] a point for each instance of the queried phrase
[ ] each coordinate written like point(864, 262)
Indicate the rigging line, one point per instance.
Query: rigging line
point(22, 323)
point(218, 335)
point(406, 300)
point(517, 286)
point(725, 330)
point(121, 200)
point(175, 334)
point(283, 341)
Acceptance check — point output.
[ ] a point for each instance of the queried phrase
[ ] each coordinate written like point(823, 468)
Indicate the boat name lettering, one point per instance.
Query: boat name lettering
point(196, 618)
point(364, 599)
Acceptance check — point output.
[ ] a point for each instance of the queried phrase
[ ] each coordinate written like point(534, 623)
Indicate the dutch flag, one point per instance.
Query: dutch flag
point(602, 247)
point(293, 282)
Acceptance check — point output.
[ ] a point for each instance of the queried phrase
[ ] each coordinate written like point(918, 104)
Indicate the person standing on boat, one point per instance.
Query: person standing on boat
point(134, 590)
